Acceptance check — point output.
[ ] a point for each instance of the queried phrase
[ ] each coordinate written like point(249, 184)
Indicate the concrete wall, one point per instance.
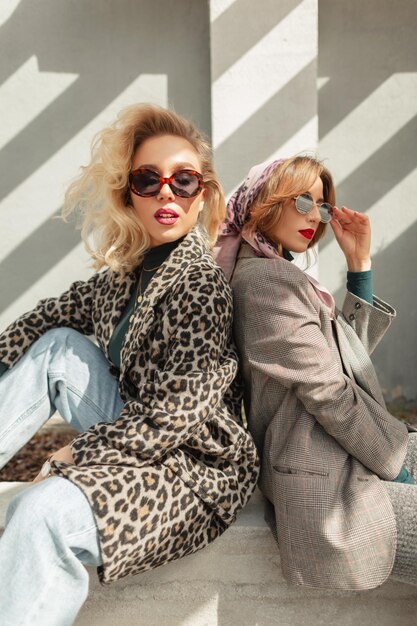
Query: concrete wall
point(260, 75)
point(66, 69)
point(245, 71)
point(368, 135)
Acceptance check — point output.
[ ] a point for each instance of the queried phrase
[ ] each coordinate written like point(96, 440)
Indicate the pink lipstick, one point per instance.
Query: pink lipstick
point(307, 233)
point(166, 216)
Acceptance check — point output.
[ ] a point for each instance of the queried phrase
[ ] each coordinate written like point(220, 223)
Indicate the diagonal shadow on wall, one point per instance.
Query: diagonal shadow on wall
point(361, 51)
point(394, 280)
point(102, 77)
point(364, 50)
point(35, 256)
point(271, 126)
point(109, 45)
point(228, 29)
point(386, 168)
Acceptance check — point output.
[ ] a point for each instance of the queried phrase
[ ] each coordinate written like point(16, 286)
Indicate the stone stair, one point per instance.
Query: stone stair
point(236, 581)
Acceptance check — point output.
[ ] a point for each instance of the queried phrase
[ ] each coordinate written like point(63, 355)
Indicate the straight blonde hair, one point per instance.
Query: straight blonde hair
point(110, 228)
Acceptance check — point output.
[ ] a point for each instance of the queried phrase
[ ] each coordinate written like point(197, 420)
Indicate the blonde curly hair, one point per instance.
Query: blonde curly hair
point(110, 228)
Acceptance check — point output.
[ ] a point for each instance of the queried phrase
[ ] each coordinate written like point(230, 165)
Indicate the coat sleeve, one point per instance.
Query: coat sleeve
point(369, 321)
point(184, 393)
point(73, 309)
point(285, 341)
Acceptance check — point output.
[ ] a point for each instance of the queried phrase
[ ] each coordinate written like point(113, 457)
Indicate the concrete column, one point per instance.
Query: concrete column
point(263, 71)
point(368, 136)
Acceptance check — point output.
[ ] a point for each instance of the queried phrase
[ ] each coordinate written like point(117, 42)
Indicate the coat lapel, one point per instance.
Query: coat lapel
point(342, 345)
point(356, 360)
point(191, 248)
point(112, 303)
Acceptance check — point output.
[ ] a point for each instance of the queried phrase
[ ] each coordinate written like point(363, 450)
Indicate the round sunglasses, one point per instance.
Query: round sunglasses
point(184, 183)
point(304, 204)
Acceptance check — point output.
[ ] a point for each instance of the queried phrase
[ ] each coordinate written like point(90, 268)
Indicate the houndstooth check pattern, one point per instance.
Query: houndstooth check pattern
point(318, 418)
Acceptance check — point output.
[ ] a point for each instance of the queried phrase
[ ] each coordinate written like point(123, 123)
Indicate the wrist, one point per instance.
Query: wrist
point(45, 470)
point(357, 265)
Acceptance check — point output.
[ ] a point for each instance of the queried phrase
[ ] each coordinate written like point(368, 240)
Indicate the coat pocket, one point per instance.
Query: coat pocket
point(299, 497)
point(298, 471)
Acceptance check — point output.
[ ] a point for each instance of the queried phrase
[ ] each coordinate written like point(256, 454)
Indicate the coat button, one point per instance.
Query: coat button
point(351, 317)
point(358, 305)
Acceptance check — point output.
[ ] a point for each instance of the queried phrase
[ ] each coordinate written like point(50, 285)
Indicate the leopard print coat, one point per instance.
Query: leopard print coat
point(171, 473)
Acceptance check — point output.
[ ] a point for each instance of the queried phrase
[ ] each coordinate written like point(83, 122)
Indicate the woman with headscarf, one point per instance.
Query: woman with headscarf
point(335, 464)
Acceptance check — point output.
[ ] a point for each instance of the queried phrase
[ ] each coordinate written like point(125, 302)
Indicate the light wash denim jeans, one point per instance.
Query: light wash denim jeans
point(50, 532)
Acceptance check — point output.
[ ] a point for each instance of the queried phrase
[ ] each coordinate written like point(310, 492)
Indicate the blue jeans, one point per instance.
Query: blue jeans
point(50, 530)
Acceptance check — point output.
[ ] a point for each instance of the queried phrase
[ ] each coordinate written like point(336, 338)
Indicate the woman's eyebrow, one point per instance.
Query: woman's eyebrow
point(321, 199)
point(176, 166)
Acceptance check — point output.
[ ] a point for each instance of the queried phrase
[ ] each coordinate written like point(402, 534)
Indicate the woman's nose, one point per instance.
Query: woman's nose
point(166, 192)
point(314, 214)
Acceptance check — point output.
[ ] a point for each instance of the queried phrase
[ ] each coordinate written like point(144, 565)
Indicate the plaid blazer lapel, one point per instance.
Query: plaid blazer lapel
point(356, 360)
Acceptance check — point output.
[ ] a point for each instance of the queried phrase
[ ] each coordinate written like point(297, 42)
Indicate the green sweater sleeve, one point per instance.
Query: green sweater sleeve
point(404, 477)
point(3, 368)
point(360, 284)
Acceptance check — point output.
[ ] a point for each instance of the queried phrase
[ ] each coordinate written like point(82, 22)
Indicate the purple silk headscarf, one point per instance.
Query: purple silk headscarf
point(233, 230)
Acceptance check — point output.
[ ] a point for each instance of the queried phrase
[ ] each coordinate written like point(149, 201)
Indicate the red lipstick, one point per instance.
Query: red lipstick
point(307, 233)
point(166, 216)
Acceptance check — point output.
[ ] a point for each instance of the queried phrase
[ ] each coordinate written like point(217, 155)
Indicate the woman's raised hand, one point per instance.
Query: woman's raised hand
point(353, 234)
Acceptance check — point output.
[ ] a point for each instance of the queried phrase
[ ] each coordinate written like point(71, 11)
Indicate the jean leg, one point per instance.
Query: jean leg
point(64, 371)
point(50, 533)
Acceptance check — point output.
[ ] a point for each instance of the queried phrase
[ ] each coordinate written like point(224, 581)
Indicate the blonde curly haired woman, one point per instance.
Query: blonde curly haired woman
point(162, 463)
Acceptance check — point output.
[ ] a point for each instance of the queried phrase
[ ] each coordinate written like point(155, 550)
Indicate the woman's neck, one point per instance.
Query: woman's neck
point(154, 257)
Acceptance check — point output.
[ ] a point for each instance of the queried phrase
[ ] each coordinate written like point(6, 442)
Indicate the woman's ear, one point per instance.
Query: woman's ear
point(202, 196)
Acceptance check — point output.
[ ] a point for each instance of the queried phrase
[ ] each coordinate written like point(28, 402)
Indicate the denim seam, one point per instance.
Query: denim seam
point(62, 560)
point(76, 392)
point(23, 416)
point(88, 401)
point(82, 532)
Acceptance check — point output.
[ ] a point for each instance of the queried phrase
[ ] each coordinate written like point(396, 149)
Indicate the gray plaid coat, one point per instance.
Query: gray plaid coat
point(319, 420)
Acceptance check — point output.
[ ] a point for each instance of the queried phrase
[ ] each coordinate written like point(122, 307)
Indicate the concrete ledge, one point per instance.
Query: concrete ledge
point(236, 581)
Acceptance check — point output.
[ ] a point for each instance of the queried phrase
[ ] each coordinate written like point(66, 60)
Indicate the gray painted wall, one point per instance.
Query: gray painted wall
point(249, 77)
point(261, 73)
point(368, 135)
point(66, 69)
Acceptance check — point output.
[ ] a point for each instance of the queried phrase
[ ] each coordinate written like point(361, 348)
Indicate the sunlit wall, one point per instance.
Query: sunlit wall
point(368, 135)
point(66, 69)
point(265, 79)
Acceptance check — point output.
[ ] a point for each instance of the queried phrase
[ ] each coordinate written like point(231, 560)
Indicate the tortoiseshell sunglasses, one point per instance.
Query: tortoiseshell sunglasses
point(184, 183)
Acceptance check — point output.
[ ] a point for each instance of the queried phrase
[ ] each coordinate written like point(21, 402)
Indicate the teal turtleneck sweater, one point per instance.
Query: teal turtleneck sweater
point(152, 259)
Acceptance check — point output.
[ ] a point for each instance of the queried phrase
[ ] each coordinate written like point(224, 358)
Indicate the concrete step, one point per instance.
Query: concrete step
point(236, 581)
